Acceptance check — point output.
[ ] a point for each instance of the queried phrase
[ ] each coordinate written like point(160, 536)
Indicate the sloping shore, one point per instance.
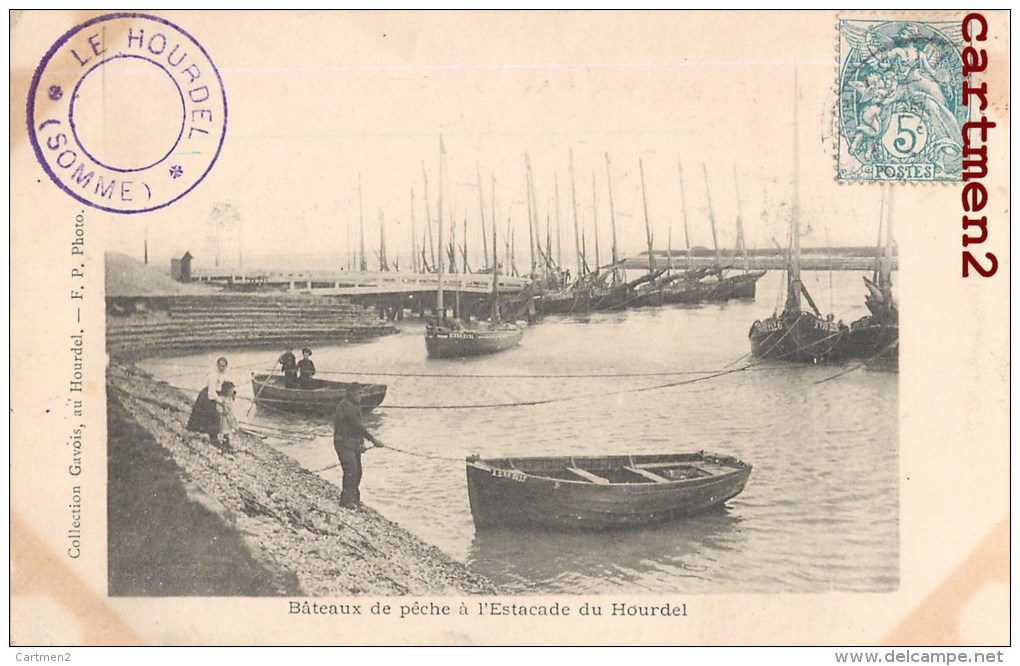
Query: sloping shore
point(188, 519)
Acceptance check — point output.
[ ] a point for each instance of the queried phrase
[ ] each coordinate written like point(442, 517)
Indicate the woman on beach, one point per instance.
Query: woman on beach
point(205, 415)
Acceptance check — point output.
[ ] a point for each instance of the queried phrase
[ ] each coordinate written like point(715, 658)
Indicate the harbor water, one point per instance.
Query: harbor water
point(819, 513)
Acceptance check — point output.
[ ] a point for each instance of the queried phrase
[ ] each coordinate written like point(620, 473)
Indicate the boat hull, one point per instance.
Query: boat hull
point(868, 339)
point(803, 338)
point(534, 493)
point(446, 342)
point(320, 400)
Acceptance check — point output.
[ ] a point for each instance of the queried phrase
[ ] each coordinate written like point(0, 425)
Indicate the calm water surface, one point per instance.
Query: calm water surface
point(819, 513)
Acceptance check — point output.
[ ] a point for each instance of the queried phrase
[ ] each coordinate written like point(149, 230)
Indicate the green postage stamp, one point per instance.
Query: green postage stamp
point(900, 104)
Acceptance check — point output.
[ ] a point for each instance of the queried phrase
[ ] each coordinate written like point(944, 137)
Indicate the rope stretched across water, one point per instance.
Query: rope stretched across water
point(388, 447)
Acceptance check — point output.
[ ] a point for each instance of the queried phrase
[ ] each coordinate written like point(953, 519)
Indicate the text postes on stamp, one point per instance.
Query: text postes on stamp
point(900, 110)
point(127, 113)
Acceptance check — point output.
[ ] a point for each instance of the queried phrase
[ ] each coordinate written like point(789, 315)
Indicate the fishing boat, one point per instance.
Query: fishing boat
point(599, 492)
point(875, 337)
point(453, 338)
point(448, 337)
point(796, 334)
point(318, 397)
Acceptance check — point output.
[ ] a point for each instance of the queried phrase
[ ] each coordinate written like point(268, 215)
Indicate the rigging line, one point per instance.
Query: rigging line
point(405, 452)
point(860, 365)
point(584, 396)
point(594, 375)
point(548, 401)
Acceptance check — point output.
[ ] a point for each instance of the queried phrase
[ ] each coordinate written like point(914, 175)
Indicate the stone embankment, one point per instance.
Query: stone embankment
point(186, 518)
point(141, 326)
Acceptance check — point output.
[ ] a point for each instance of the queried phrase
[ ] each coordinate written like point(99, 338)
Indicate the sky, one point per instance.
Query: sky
point(318, 102)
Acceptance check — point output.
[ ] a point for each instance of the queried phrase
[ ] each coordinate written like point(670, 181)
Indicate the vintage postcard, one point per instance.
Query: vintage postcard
point(510, 328)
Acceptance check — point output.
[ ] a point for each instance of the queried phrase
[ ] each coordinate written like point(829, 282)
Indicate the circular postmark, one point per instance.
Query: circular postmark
point(127, 113)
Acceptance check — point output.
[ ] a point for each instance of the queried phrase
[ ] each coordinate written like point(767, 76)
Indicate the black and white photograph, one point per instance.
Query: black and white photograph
point(510, 328)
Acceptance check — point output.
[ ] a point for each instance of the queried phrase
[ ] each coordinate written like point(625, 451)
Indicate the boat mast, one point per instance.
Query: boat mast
point(383, 264)
point(683, 211)
point(793, 279)
point(648, 227)
point(612, 216)
point(414, 239)
point(741, 241)
point(481, 216)
point(495, 256)
point(711, 220)
point(886, 277)
point(347, 230)
point(577, 236)
point(556, 195)
point(363, 263)
point(428, 219)
point(669, 244)
point(595, 219)
point(494, 317)
point(439, 275)
point(532, 211)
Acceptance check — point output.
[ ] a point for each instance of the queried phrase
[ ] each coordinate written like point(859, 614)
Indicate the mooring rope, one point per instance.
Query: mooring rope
point(860, 364)
point(592, 375)
point(387, 447)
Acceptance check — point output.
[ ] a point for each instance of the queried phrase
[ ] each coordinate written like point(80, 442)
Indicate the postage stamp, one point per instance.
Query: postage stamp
point(127, 113)
point(899, 102)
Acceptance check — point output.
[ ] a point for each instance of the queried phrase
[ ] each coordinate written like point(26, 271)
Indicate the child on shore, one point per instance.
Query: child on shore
point(225, 410)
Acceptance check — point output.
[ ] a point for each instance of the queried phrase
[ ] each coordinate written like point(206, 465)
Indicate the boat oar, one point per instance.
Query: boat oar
point(271, 371)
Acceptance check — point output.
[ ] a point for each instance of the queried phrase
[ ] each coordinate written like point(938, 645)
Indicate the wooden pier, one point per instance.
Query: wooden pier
point(357, 283)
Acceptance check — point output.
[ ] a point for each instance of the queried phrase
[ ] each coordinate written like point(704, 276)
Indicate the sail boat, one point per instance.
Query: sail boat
point(876, 336)
point(447, 337)
point(795, 334)
point(741, 285)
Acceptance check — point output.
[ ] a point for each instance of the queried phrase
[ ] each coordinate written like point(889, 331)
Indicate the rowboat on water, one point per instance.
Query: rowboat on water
point(318, 397)
point(599, 492)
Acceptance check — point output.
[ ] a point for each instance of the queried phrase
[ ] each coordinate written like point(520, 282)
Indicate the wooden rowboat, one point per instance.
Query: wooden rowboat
point(599, 492)
point(320, 397)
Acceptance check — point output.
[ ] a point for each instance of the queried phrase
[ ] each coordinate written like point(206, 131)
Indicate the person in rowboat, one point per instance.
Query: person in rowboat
point(349, 435)
point(305, 368)
point(289, 364)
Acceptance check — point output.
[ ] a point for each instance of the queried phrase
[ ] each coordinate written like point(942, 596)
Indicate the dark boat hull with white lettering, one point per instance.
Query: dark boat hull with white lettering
point(444, 340)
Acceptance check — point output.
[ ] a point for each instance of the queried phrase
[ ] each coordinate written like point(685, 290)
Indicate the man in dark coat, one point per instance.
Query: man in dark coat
point(289, 364)
point(349, 435)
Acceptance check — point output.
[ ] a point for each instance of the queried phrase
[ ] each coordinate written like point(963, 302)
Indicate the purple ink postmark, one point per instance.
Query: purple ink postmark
point(127, 113)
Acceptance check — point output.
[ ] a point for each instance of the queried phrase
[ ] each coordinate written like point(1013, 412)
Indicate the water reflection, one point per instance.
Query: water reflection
point(670, 556)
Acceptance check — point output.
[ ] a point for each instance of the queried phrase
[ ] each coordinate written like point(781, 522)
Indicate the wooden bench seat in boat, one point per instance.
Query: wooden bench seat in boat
point(588, 476)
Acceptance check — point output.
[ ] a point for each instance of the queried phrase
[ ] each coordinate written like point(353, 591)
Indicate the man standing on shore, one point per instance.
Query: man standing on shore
point(349, 435)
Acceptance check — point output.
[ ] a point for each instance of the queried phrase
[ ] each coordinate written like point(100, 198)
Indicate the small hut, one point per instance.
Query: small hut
point(180, 269)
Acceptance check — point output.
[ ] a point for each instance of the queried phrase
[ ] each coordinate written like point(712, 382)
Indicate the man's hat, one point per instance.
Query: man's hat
point(306, 350)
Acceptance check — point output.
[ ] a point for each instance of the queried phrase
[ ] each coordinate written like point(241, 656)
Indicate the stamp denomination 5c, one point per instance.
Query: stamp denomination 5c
point(127, 113)
point(899, 104)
